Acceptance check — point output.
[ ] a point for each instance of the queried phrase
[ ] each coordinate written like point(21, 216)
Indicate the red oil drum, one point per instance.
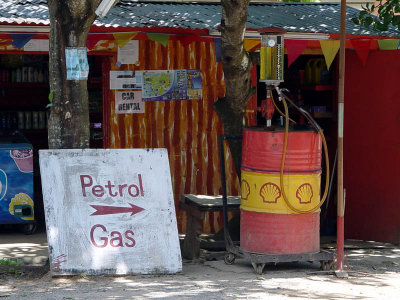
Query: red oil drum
point(268, 225)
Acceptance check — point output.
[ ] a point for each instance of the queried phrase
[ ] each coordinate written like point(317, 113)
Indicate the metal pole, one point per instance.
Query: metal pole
point(340, 196)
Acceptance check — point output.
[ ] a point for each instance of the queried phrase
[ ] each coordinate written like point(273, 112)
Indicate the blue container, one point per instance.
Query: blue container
point(16, 180)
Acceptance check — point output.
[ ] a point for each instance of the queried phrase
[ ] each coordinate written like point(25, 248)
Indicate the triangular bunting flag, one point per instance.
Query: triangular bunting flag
point(19, 40)
point(294, 49)
point(93, 39)
point(250, 44)
point(390, 44)
point(362, 49)
point(123, 38)
point(217, 47)
point(329, 49)
point(159, 38)
point(188, 39)
point(5, 40)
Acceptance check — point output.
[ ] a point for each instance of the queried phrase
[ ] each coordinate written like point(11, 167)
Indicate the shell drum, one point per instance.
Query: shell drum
point(268, 225)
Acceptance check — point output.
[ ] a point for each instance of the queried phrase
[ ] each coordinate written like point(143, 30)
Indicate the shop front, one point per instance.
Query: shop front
point(176, 71)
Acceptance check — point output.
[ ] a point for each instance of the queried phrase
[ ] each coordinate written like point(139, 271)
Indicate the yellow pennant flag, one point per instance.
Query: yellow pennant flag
point(249, 44)
point(123, 38)
point(329, 49)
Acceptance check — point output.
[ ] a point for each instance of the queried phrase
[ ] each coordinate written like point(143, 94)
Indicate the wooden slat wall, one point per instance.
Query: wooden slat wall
point(188, 129)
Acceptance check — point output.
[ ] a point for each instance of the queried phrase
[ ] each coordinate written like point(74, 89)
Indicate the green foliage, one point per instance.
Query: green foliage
point(51, 95)
point(387, 15)
point(300, 0)
point(11, 263)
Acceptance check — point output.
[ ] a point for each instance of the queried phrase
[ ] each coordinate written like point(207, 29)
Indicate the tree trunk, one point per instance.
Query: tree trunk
point(70, 22)
point(237, 65)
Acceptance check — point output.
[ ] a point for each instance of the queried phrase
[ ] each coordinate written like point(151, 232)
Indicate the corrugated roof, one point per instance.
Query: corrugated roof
point(27, 12)
point(293, 17)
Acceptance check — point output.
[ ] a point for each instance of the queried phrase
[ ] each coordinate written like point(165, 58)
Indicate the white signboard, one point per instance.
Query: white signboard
point(129, 102)
point(123, 80)
point(110, 211)
point(129, 54)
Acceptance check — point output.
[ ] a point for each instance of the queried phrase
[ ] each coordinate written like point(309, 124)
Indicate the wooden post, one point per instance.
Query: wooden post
point(340, 195)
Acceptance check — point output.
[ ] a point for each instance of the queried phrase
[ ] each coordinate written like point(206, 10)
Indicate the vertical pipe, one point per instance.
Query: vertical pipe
point(105, 69)
point(340, 203)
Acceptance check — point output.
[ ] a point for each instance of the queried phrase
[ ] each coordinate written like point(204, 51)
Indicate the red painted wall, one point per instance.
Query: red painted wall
point(372, 146)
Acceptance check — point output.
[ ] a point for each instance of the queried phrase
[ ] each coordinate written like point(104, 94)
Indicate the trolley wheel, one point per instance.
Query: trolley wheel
point(229, 259)
point(29, 228)
point(326, 265)
point(331, 264)
point(258, 268)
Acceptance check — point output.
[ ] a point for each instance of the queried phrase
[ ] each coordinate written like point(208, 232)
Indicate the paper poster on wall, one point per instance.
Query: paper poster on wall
point(194, 88)
point(163, 85)
point(122, 80)
point(129, 102)
point(76, 63)
point(129, 54)
point(37, 45)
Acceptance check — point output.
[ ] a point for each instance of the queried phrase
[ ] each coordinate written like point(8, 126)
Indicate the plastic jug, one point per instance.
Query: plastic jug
point(318, 66)
point(309, 71)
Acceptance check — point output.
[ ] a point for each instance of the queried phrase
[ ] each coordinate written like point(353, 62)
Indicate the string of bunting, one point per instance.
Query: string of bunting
point(294, 48)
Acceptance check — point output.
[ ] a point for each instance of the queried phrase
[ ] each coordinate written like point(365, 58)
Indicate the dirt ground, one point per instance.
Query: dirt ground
point(373, 269)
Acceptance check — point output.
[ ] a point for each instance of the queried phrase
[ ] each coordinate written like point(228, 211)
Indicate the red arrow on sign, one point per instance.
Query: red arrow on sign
point(108, 210)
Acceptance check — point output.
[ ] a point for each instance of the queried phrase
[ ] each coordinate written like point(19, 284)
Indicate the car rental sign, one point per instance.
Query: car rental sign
point(109, 211)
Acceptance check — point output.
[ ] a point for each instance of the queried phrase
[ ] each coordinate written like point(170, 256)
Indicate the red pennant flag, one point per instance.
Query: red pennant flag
point(188, 39)
point(92, 40)
point(362, 49)
point(294, 49)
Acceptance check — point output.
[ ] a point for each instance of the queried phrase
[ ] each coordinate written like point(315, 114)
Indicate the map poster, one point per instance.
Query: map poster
point(129, 102)
point(164, 85)
point(194, 89)
point(122, 80)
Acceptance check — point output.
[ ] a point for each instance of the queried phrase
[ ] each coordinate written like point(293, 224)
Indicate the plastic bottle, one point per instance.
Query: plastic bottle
point(317, 68)
point(21, 120)
point(35, 75)
point(30, 74)
point(18, 75)
point(325, 76)
point(309, 71)
point(40, 76)
point(13, 75)
point(24, 74)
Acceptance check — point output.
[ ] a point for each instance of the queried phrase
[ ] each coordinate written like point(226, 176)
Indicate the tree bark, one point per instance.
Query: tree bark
point(237, 65)
point(70, 22)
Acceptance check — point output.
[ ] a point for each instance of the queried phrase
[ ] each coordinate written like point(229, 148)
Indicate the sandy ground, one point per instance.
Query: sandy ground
point(373, 269)
point(374, 273)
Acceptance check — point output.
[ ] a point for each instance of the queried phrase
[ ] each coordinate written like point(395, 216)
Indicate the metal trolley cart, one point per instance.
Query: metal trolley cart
point(259, 260)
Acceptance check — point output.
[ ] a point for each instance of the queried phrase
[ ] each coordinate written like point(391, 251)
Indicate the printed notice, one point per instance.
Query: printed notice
point(129, 102)
point(129, 54)
point(123, 80)
point(76, 63)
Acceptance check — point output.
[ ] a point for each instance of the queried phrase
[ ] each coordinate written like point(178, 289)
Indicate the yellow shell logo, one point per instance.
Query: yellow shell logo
point(21, 206)
point(304, 193)
point(245, 189)
point(270, 192)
